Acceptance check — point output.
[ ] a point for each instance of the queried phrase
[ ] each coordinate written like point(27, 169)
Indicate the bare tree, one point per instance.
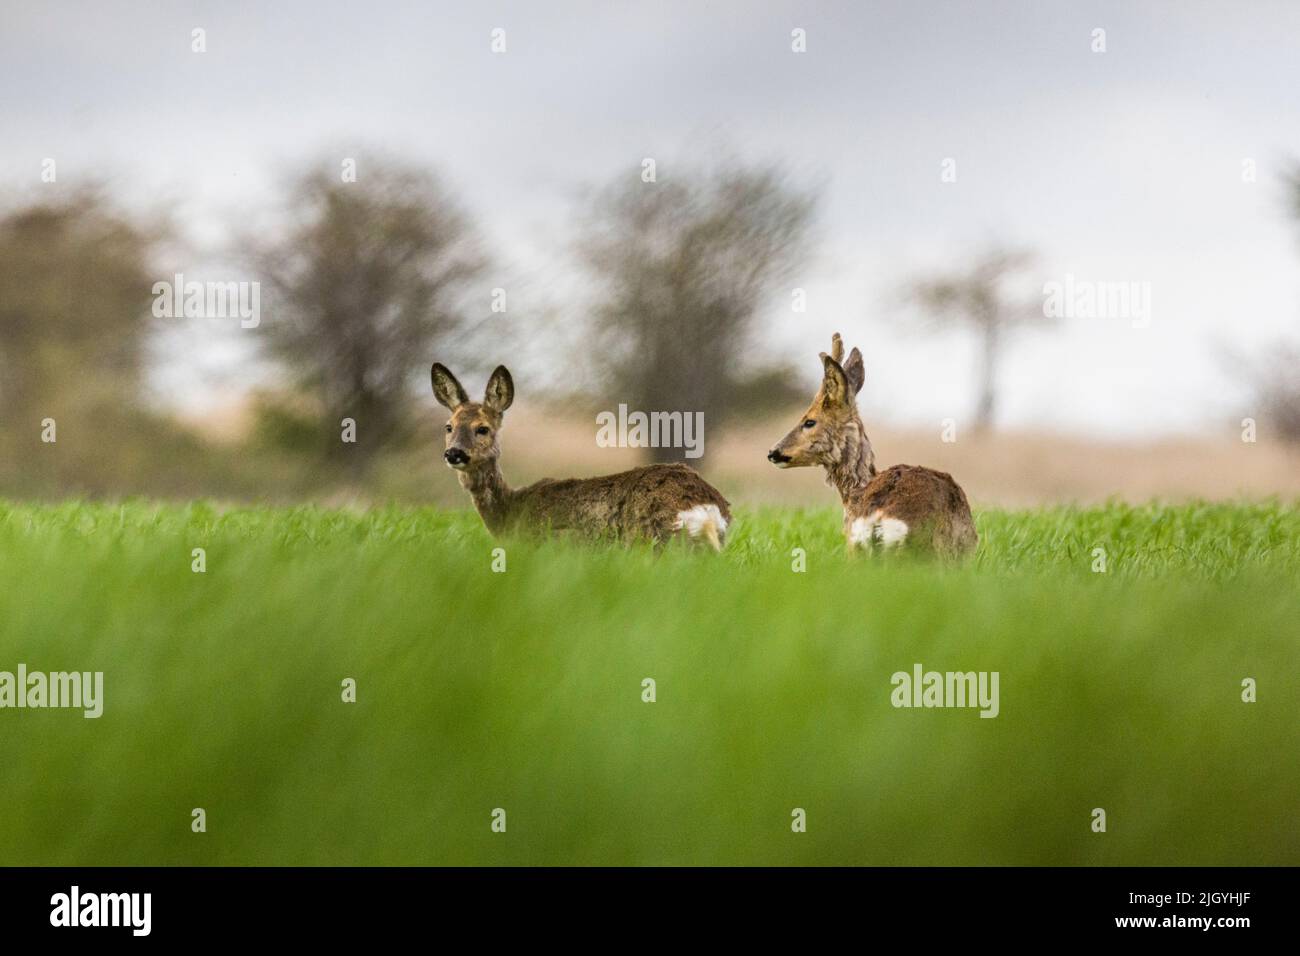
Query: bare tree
point(979, 299)
point(1275, 379)
point(368, 285)
point(75, 278)
point(1275, 376)
point(685, 266)
point(77, 275)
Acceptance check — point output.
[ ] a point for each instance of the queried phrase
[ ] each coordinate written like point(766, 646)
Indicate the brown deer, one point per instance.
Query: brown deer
point(652, 503)
point(909, 504)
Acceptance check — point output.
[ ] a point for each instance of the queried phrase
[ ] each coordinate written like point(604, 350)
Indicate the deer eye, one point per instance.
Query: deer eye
point(482, 430)
point(449, 428)
point(809, 423)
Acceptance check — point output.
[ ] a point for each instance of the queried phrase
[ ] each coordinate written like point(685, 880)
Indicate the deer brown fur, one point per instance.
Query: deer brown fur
point(903, 505)
point(652, 503)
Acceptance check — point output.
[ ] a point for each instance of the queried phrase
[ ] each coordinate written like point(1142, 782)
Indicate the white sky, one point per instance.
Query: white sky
point(1125, 165)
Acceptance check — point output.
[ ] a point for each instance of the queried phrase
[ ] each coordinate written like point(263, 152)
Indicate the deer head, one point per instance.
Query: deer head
point(829, 433)
point(471, 441)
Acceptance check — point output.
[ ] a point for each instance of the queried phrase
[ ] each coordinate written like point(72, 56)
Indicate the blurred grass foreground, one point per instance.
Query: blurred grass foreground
point(524, 691)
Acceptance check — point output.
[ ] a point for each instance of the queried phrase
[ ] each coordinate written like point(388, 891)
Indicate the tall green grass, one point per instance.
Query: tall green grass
point(522, 690)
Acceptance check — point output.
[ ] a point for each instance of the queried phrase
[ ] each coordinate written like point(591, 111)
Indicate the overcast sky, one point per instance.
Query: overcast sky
point(1125, 165)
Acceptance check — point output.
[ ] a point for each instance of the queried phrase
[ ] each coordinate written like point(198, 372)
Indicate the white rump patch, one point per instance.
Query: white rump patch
point(699, 519)
point(877, 529)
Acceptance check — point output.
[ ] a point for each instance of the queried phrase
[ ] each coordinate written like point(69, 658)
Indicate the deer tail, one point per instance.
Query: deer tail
point(704, 521)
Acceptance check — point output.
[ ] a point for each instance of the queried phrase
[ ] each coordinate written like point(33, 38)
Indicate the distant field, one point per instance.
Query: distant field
point(522, 690)
point(1002, 469)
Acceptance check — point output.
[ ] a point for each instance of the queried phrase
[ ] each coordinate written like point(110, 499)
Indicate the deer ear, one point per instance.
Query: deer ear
point(446, 389)
point(835, 384)
point(500, 390)
point(854, 371)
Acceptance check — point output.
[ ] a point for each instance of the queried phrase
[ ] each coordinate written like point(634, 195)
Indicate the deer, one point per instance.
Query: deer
point(904, 505)
point(653, 503)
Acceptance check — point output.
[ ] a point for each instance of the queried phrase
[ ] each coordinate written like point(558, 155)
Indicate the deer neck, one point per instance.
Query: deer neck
point(855, 464)
point(492, 496)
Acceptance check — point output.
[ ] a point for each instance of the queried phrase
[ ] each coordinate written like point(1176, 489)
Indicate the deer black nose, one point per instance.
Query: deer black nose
point(455, 456)
point(775, 457)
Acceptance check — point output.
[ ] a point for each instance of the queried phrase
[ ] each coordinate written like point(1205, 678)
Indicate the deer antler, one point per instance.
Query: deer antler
point(837, 349)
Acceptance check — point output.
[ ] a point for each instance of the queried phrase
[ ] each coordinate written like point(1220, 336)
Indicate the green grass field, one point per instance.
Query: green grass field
point(523, 690)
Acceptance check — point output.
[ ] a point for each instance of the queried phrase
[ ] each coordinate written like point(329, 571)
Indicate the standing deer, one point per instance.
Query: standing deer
point(652, 503)
point(902, 504)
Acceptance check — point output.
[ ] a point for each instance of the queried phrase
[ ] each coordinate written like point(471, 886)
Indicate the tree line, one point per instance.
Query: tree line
point(369, 276)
